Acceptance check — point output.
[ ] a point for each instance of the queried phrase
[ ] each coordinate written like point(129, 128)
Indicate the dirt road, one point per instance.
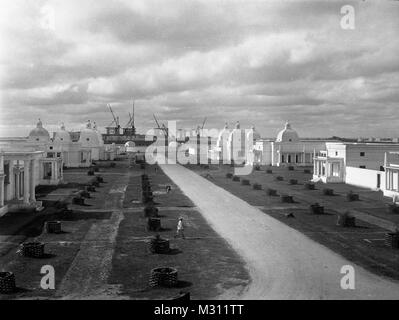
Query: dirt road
point(283, 263)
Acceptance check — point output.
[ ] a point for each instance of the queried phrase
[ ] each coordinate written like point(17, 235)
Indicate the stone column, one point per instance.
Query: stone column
point(398, 180)
point(61, 163)
point(32, 180)
point(17, 186)
point(1, 190)
point(26, 181)
point(52, 170)
point(56, 173)
point(1, 164)
point(390, 181)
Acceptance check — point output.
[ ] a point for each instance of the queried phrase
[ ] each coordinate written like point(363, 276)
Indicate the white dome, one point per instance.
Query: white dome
point(39, 134)
point(89, 137)
point(173, 144)
point(130, 144)
point(287, 135)
point(62, 136)
point(222, 136)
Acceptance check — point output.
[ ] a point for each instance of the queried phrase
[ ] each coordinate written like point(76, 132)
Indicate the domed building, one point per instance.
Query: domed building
point(90, 139)
point(236, 145)
point(219, 152)
point(252, 153)
point(62, 136)
point(39, 134)
point(72, 153)
point(288, 149)
point(287, 134)
point(130, 146)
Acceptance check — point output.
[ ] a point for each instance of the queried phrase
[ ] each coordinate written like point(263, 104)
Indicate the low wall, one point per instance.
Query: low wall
point(364, 178)
point(3, 210)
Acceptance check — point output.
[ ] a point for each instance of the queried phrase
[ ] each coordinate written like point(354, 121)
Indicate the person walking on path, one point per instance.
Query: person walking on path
point(180, 229)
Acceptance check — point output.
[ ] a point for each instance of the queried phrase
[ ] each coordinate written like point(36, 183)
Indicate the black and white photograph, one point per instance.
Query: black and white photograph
point(225, 151)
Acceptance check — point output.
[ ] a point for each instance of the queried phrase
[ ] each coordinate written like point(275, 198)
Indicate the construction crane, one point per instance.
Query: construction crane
point(113, 129)
point(131, 119)
point(116, 119)
point(200, 128)
point(133, 115)
point(162, 128)
point(203, 124)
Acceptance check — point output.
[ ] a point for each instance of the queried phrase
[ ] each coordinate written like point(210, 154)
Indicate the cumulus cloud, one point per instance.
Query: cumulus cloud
point(261, 62)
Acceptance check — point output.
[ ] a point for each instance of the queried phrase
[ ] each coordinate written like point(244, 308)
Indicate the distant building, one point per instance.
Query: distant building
point(219, 150)
point(71, 152)
point(20, 173)
point(237, 146)
point(49, 164)
point(391, 181)
point(287, 149)
point(359, 164)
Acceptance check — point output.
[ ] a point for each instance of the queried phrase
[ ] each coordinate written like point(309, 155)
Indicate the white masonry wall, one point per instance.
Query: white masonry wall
point(364, 178)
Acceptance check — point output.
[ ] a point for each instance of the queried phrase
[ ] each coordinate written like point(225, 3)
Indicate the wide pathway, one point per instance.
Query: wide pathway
point(283, 263)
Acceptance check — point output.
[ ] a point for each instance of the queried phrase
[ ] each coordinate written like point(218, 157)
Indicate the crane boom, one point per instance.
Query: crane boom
point(203, 124)
point(133, 115)
point(165, 129)
point(156, 121)
point(116, 120)
point(130, 120)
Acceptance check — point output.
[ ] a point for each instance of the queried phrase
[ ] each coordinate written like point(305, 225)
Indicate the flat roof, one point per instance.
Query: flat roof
point(368, 143)
point(20, 152)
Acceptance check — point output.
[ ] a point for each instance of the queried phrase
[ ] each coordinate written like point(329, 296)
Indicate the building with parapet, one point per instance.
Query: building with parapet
point(288, 149)
point(358, 164)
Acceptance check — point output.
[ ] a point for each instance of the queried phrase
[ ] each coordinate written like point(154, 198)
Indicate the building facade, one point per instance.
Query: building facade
point(288, 149)
point(19, 176)
point(359, 164)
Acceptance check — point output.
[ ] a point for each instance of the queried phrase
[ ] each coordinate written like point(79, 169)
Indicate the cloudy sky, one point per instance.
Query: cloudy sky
point(260, 62)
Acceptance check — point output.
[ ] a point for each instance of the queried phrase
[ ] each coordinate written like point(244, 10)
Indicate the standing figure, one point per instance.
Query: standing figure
point(180, 229)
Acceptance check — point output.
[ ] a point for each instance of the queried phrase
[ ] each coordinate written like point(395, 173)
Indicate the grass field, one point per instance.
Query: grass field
point(90, 262)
